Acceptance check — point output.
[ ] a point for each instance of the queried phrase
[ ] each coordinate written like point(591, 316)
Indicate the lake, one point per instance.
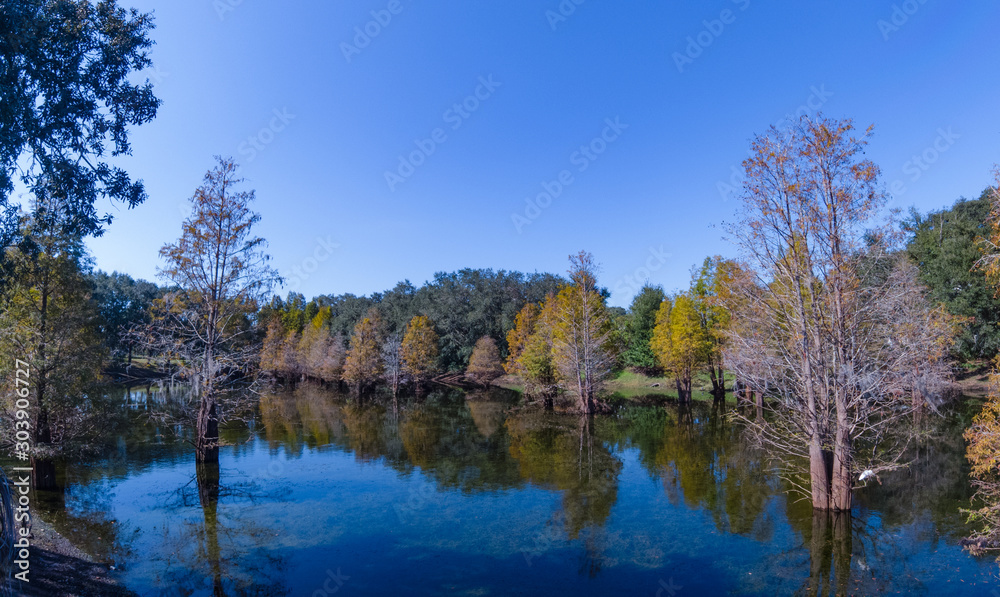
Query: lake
point(474, 494)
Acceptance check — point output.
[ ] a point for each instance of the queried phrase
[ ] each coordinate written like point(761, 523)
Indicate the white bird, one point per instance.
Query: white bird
point(866, 474)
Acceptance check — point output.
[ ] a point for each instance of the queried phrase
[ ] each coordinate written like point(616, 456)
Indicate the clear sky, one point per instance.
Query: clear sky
point(633, 114)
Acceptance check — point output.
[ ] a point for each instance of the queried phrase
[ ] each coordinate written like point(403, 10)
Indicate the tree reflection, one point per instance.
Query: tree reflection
point(705, 462)
point(220, 551)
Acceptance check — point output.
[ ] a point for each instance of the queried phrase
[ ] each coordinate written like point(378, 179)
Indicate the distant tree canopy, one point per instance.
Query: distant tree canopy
point(123, 303)
point(945, 246)
point(464, 306)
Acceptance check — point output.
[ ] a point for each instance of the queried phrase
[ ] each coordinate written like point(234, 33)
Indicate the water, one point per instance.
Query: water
point(475, 495)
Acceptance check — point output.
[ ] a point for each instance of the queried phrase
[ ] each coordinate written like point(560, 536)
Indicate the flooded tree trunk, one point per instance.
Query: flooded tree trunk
point(43, 470)
point(683, 389)
point(819, 473)
point(207, 432)
point(842, 479)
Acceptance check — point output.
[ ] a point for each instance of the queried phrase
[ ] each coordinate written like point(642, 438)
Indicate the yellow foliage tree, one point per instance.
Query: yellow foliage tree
point(680, 342)
point(364, 357)
point(518, 337)
point(535, 362)
point(484, 364)
point(420, 349)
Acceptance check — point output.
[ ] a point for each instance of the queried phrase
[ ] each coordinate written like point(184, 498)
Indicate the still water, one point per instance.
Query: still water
point(472, 494)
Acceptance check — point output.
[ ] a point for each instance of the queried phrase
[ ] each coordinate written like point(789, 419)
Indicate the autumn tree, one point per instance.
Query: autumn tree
point(363, 365)
point(680, 342)
point(536, 362)
point(983, 437)
point(221, 274)
point(419, 349)
point(582, 335)
point(484, 364)
point(710, 288)
point(818, 325)
point(271, 349)
point(518, 336)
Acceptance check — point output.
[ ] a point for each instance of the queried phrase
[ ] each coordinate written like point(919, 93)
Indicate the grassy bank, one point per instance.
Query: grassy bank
point(636, 387)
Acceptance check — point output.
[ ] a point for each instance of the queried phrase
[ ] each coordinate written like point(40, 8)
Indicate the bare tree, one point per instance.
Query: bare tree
point(821, 307)
point(392, 361)
point(582, 335)
point(206, 326)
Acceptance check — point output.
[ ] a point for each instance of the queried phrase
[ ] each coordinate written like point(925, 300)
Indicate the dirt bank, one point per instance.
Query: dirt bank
point(58, 569)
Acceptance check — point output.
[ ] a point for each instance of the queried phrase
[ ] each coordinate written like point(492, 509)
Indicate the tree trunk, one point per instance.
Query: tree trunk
point(842, 479)
point(819, 474)
point(207, 441)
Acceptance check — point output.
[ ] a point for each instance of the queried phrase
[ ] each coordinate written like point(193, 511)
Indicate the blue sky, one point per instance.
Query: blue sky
point(631, 115)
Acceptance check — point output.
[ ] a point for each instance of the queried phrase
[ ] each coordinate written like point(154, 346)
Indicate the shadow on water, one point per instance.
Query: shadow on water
point(502, 498)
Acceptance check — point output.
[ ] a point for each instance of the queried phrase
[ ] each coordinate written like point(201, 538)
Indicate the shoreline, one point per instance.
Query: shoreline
point(60, 569)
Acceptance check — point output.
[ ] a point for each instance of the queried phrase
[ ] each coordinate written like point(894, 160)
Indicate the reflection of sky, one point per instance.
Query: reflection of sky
point(397, 533)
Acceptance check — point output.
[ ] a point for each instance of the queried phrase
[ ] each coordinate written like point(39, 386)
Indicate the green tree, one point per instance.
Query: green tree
point(537, 362)
point(123, 304)
point(67, 70)
point(710, 292)
point(945, 245)
point(639, 328)
point(680, 342)
point(50, 330)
